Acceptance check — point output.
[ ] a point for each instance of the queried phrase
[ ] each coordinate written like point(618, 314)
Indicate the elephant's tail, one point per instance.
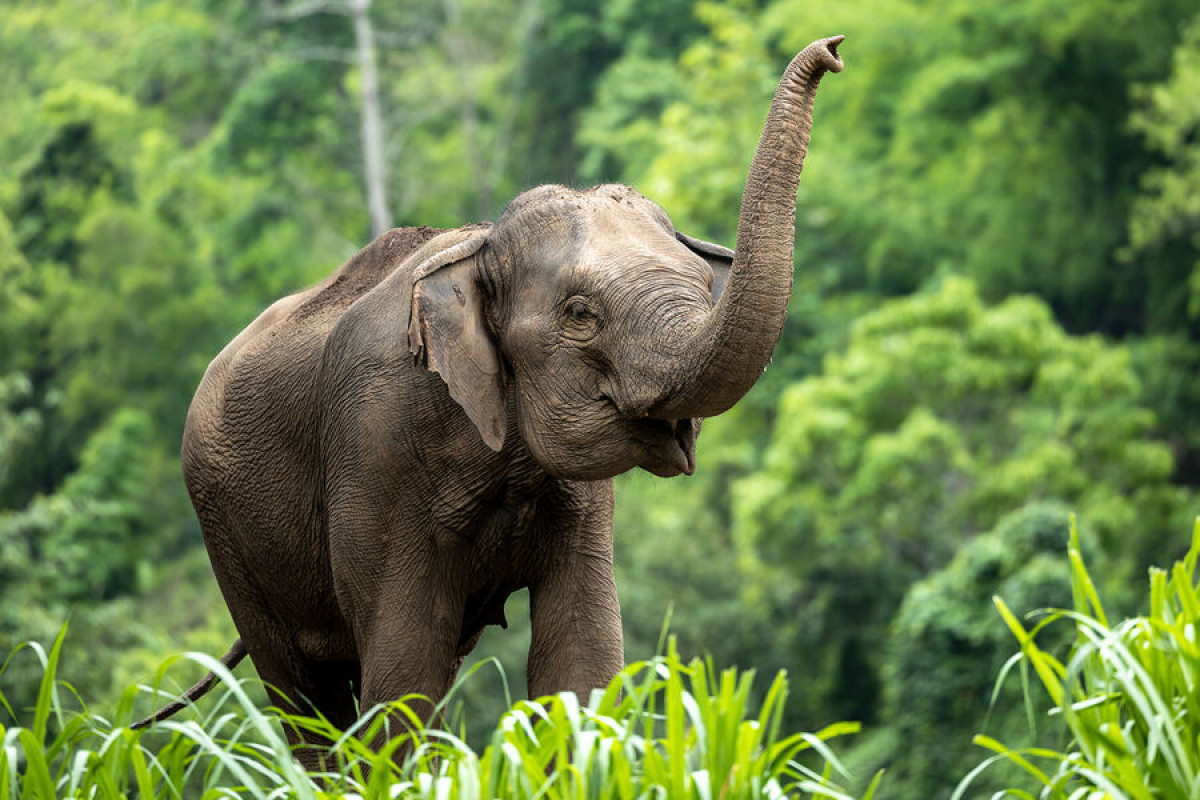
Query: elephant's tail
point(237, 652)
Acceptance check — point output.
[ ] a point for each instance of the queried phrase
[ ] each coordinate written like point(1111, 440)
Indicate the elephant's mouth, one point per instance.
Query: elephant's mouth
point(670, 445)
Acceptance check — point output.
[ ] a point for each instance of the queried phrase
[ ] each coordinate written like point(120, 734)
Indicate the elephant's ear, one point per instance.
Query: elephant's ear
point(447, 333)
point(718, 257)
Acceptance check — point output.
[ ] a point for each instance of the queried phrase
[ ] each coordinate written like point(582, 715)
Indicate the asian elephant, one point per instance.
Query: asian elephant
point(379, 461)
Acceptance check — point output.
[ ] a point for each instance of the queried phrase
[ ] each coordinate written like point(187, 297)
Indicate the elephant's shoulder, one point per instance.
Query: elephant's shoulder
point(378, 317)
point(364, 271)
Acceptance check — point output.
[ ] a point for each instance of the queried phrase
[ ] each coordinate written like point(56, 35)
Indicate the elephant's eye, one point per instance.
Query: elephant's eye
point(580, 322)
point(578, 311)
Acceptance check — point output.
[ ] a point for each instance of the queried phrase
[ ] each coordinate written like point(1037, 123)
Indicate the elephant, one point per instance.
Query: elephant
point(379, 461)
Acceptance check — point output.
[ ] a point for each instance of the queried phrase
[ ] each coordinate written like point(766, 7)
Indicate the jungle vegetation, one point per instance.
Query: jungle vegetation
point(996, 318)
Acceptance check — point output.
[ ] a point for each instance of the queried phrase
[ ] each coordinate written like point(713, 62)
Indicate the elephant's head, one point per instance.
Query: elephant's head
point(618, 332)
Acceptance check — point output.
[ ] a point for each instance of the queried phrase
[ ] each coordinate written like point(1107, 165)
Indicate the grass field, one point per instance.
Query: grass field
point(1126, 696)
point(663, 728)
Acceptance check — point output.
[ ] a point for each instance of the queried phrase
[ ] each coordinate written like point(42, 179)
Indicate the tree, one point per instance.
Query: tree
point(86, 544)
point(987, 138)
point(143, 235)
point(373, 135)
point(1166, 217)
point(1164, 232)
point(939, 416)
point(947, 649)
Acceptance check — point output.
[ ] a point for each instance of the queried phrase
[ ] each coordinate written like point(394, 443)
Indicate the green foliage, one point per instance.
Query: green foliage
point(85, 545)
point(941, 414)
point(702, 146)
point(1166, 366)
point(459, 113)
point(946, 649)
point(17, 428)
point(83, 541)
point(131, 249)
point(1126, 692)
point(1166, 217)
point(661, 728)
point(587, 55)
point(986, 137)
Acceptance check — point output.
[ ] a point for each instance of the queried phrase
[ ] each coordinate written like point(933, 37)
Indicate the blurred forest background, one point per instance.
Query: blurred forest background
point(996, 317)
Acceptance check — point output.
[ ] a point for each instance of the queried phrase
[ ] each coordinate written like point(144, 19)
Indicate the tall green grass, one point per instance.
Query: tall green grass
point(1126, 702)
point(661, 729)
point(1127, 694)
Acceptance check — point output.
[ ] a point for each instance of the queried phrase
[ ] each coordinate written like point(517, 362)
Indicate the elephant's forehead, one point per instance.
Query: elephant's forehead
point(620, 243)
point(597, 244)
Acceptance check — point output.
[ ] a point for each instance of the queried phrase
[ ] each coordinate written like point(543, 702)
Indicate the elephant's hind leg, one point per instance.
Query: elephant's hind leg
point(328, 690)
point(294, 682)
point(300, 687)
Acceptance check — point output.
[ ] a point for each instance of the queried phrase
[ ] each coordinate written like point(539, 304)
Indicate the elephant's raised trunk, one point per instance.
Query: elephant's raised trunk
point(735, 344)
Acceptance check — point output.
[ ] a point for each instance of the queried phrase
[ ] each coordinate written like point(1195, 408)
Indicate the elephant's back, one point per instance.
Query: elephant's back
point(279, 352)
point(362, 273)
point(276, 357)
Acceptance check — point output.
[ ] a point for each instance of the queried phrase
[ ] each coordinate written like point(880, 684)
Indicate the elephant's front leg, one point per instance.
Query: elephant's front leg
point(575, 614)
point(412, 647)
point(408, 622)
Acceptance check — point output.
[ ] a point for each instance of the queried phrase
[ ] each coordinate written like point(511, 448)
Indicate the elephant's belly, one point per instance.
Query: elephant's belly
point(327, 643)
point(503, 562)
point(482, 609)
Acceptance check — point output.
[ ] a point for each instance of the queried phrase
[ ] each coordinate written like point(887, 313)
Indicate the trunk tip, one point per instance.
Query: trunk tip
point(827, 54)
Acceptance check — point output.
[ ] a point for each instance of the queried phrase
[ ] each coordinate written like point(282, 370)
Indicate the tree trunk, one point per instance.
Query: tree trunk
point(374, 170)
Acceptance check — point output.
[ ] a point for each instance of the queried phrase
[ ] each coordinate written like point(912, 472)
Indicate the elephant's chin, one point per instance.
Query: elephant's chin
point(601, 454)
point(669, 446)
point(613, 444)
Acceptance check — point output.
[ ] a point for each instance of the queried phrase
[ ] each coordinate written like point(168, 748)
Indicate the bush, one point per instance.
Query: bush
point(945, 650)
point(940, 415)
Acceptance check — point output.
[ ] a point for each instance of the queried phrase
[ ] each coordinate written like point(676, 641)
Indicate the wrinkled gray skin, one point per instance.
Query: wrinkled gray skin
point(379, 461)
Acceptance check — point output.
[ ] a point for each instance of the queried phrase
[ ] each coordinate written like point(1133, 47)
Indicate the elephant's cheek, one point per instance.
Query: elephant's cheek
point(539, 438)
point(574, 447)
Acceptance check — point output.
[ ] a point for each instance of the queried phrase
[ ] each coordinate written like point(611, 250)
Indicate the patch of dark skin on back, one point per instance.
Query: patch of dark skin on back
point(367, 268)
